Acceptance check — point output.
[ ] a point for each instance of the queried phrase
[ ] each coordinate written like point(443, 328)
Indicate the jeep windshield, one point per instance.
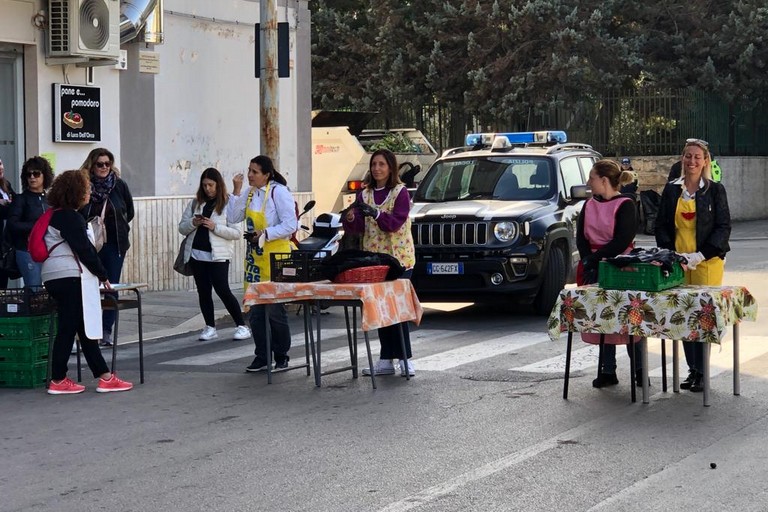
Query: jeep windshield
point(506, 178)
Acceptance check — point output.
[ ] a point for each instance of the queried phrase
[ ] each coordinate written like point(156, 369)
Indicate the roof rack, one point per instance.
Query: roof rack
point(570, 145)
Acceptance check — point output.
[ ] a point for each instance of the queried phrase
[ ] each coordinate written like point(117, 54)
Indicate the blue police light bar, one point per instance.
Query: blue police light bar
point(558, 137)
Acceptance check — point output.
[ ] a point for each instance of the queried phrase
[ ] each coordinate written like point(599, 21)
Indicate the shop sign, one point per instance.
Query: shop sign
point(76, 113)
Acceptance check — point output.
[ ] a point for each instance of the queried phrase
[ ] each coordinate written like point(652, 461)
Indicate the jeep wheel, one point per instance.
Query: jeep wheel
point(553, 282)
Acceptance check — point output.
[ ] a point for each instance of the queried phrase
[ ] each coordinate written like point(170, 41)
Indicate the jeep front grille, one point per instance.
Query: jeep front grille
point(450, 234)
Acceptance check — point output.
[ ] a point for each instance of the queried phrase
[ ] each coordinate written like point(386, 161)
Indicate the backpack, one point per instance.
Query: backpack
point(36, 242)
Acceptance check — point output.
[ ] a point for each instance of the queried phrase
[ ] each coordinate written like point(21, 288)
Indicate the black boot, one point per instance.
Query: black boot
point(686, 384)
point(605, 379)
point(698, 383)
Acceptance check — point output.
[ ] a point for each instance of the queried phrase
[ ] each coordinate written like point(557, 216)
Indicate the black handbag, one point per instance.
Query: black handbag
point(183, 267)
point(8, 259)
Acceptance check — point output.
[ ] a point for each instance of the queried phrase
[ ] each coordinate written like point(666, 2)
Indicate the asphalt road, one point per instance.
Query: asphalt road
point(476, 429)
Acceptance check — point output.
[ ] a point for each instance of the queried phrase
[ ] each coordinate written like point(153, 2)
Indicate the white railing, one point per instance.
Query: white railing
point(155, 240)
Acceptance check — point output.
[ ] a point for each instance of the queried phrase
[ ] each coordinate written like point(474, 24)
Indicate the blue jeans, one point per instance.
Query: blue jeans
point(113, 261)
point(30, 270)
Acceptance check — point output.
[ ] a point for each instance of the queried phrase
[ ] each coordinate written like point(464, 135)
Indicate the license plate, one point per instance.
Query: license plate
point(445, 268)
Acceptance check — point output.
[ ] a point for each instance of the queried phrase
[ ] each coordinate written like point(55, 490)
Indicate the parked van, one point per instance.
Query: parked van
point(341, 151)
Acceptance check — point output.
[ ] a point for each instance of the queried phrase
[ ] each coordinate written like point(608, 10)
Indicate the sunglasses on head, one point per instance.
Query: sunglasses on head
point(33, 174)
point(698, 142)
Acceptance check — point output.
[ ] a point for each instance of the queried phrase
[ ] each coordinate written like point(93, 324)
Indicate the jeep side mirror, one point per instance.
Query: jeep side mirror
point(579, 192)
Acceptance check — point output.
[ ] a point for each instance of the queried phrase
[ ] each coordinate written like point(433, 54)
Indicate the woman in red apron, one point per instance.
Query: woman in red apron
point(270, 218)
point(606, 228)
point(694, 220)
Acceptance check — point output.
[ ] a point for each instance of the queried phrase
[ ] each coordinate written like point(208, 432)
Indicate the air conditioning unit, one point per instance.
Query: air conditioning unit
point(84, 28)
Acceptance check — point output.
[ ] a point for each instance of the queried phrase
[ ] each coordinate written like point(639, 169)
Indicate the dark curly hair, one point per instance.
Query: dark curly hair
point(37, 163)
point(69, 189)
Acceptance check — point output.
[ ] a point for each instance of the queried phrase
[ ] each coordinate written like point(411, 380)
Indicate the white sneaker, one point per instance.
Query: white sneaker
point(209, 333)
point(382, 367)
point(411, 369)
point(241, 333)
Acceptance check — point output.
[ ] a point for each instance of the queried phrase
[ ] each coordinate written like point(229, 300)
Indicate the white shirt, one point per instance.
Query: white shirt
point(280, 210)
point(687, 196)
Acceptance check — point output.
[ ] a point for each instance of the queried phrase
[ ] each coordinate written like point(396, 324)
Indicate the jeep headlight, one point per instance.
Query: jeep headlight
point(505, 231)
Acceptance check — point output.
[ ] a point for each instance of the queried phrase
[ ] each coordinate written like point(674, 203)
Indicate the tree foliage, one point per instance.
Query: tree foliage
point(510, 57)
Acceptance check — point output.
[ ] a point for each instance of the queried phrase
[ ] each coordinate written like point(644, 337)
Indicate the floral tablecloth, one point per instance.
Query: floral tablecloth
point(688, 313)
point(385, 303)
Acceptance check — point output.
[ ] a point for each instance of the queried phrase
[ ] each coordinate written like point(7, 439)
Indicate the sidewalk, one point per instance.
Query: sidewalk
point(168, 314)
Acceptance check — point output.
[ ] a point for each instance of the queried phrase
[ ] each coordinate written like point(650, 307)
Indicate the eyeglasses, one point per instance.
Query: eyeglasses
point(698, 142)
point(33, 174)
point(102, 164)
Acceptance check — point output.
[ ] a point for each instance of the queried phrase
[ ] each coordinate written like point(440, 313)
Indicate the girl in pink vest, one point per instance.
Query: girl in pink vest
point(606, 228)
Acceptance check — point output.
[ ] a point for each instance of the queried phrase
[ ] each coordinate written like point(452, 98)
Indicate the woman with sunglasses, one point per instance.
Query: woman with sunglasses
point(6, 198)
point(107, 189)
point(694, 220)
point(27, 207)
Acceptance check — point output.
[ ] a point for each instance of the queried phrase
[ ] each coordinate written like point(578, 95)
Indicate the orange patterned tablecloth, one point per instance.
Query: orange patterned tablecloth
point(385, 303)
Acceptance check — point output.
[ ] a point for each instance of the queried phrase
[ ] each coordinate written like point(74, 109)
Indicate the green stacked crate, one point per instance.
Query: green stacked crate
point(639, 276)
point(24, 350)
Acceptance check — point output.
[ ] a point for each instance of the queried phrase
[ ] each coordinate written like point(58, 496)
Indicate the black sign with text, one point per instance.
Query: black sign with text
point(76, 113)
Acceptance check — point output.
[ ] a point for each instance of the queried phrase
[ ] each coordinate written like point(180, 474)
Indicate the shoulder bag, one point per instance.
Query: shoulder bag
point(182, 266)
point(99, 229)
point(8, 258)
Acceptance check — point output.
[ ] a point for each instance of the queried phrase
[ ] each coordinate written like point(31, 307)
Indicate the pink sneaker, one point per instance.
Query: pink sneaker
point(65, 387)
point(113, 384)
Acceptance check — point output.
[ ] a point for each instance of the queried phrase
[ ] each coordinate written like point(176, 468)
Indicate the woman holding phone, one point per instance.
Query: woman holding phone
point(210, 251)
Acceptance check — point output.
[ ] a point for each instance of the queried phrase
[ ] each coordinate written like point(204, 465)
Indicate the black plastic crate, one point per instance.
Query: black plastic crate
point(297, 266)
point(25, 302)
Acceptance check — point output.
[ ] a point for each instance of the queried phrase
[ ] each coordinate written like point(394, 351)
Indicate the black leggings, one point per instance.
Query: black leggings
point(69, 308)
point(215, 275)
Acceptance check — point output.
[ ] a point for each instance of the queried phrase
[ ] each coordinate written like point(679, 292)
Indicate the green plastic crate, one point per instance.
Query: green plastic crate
point(25, 328)
point(24, 352)
point(638, 276)
point(29, 375)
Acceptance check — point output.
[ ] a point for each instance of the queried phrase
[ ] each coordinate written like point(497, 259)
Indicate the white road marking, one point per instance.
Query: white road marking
point(479, 351)
point(421, 336)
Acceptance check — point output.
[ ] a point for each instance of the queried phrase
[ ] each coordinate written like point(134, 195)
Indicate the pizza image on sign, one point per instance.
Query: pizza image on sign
point(73, 120)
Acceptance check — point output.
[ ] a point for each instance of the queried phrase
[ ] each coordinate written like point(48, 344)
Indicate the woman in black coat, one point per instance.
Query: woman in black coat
point(694, 220)
point(27, 207)
point(107, 188)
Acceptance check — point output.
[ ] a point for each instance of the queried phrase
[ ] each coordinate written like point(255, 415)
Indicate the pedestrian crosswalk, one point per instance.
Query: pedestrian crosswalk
point(444, 350)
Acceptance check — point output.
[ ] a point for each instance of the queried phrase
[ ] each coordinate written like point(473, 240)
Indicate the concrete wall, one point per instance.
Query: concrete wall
point(207, 97)
point(745, 180)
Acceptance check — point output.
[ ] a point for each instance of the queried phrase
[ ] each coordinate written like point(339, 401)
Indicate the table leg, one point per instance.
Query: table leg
point(308, 330)
point(601, 348)
point(402, 348)
point(644, 357)
point(141, 337)
point(352, 342)
point(114, 332)
point(302, 308)
point(632, 368)
point(706, 374)
point(664, 365)
point(568, 365)
point(736, 369)
point(268, 333)
point(370, 357)
point(319, 339)
point(675, 365)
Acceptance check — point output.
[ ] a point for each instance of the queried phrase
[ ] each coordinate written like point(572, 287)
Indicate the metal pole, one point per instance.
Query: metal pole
point(269, 104)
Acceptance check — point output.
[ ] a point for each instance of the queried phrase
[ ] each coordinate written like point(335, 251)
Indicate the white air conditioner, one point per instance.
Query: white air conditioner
point(84, 28)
